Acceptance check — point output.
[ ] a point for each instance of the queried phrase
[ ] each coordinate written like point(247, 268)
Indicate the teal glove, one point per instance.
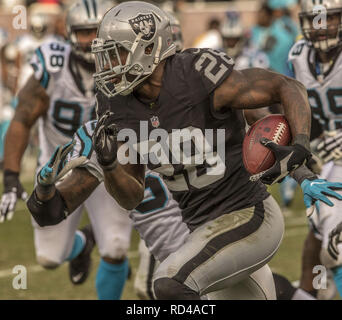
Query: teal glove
point(319, 189)
point(58, 165)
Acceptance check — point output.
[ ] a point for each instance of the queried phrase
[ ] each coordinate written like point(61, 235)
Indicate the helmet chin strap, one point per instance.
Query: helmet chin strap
point(157, 57)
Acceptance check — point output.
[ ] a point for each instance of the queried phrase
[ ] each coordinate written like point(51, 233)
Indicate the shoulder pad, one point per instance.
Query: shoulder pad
point(49, 59)
point(297, 49)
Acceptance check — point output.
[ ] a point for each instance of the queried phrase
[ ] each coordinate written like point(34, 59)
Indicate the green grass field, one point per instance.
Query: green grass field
point(16, 248)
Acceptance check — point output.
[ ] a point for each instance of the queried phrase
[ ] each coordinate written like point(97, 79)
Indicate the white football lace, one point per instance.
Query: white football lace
point(279, 132)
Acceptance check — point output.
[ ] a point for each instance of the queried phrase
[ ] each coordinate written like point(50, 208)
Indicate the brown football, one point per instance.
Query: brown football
point(256, 157)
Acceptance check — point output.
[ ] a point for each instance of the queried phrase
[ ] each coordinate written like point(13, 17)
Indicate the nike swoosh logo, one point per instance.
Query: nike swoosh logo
point(313, 183)
point(77, 277)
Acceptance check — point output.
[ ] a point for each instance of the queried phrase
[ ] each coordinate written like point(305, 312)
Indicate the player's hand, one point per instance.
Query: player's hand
point(105, 140)
point(331, 147)
point(58, 165)
point(13, 190)
point(335, 238)
point(319, 189)
point(288, 158)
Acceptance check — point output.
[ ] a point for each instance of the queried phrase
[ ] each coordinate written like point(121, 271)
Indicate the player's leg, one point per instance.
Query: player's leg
point(146, 269)
point(58, 243)
point(112, 230)
point(329, 218)
point(310, 259)
point(257, 286)
point(221, 252)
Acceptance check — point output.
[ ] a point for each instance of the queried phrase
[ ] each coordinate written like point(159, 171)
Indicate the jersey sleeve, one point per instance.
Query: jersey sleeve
point(206, 69)
point(83, 147)
point(48, 61)
point(294, 56)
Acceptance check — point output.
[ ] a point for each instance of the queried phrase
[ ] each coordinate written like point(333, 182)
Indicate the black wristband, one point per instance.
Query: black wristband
point(303, 173)
point(303, 140)
point(10, 180)
point(47, 213)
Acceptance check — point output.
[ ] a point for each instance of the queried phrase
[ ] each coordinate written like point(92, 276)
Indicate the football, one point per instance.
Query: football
point(257, 157)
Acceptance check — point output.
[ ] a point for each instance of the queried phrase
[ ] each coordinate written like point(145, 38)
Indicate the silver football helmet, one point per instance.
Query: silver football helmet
point(82, 15)
point(38, 24)
point(176, 30)
point(321, 39)
point(132, 39)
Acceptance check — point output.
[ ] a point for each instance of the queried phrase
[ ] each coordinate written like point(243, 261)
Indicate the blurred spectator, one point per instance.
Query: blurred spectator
point(236, 44)
point(210, 38)
point(275, 33)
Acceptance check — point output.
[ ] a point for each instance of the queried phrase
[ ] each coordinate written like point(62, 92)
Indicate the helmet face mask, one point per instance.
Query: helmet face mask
point(322, 39)
point(114, 72)
point(133, 38)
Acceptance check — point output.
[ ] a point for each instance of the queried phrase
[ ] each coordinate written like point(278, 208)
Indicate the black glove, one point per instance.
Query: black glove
point(12, 191)
point(105, 141)
point(288, 158)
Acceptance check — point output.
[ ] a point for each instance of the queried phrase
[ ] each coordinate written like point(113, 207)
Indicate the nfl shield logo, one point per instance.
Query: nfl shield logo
point(155, 122)
point(145, 24)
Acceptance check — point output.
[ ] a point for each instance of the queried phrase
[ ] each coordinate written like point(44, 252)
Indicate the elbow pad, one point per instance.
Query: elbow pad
point(47, 213)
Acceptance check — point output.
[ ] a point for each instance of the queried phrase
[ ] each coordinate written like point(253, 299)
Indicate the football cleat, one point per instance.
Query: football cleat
point(80, 266)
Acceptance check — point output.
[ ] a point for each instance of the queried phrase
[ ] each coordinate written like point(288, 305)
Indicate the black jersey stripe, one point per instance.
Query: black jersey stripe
point(151, 268)
point(221, 241)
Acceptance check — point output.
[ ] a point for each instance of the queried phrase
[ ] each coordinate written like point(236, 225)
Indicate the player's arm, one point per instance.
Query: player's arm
point(124, 182)
point(50, 205)
point(33, 102)
point(255, 88)
point(54, 199)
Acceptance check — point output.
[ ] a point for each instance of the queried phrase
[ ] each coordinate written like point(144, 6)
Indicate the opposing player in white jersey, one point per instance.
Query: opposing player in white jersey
point(317, 63)
point(60, 96)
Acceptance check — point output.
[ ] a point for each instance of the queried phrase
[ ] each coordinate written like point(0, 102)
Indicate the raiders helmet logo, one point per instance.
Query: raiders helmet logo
point(145, 24)
point(155, 122)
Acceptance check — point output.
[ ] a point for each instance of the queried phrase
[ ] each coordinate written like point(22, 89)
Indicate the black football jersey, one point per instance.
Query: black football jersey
point(215, 182)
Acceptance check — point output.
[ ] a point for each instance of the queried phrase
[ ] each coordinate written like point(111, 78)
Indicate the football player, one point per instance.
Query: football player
point(157, 218)
point(60, 96)
point(317, 62)
point(144, 86)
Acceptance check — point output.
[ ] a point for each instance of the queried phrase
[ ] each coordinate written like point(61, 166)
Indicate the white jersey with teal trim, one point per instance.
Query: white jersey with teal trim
point(325, 93)
point(158, 218)
point(70, 104)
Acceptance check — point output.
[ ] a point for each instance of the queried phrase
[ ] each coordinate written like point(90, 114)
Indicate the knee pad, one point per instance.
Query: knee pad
point(114, 248)
point(46, 263)
point(170, 289)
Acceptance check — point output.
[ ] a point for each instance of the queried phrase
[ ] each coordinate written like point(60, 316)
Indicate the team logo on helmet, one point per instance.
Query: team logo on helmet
point(145, 24)
point(155, 122)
